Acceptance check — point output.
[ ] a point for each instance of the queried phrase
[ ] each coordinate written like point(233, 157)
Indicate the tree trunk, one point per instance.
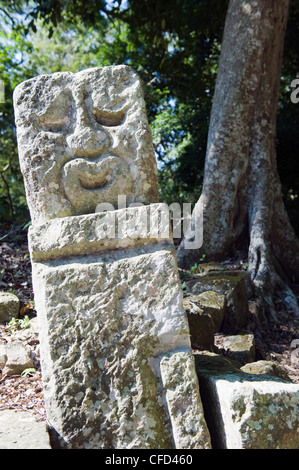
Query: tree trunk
point(241, 197)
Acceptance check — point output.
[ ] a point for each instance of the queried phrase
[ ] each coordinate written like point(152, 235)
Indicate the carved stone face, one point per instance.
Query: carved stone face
point(84, 139)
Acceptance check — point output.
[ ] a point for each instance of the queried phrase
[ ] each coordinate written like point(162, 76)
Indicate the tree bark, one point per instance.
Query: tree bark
point(241, 197)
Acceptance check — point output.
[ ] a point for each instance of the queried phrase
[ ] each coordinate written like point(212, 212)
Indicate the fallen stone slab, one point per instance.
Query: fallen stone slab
point(213, 267)
point(9, 306)
point(20, 430)
point(247, 411)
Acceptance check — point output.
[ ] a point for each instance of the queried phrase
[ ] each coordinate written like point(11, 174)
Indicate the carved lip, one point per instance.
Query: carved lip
point(90, 181)
point(95, 184)
point(91, 175)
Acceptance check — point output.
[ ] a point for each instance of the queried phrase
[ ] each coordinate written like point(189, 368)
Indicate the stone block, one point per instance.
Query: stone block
point(240, 348)
point(212, 266)
point(106, 319)
point(9, 306)
point(14, 358)
point(183, 401)
point(232, 284)
point(247, 411)
point(20, 430)
point(205, 314)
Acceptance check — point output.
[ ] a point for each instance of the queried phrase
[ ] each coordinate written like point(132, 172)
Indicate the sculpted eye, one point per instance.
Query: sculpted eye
point(109, 119)
point(57, 115)
point(53, 125)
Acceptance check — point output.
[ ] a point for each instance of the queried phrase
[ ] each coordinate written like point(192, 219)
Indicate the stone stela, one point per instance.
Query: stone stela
point(117, 365)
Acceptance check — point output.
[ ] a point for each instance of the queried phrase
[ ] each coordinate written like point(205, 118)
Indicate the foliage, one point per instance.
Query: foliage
point(16, 323)
point(11, 180)
point(30, 371)
point(288, 121)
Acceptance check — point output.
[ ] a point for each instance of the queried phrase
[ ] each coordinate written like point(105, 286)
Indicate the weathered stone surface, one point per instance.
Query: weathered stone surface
point(105, 320)
point(205, 314)
point(247, 411)
point(84, 139)
point(20, 430)
point(14, 358)
point(240, 348)
point(231, 284)
point(214, 304)
point(266, 367)
point(9, 306)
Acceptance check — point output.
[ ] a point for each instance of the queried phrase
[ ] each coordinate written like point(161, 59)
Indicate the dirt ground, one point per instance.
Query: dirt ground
point(275, 342)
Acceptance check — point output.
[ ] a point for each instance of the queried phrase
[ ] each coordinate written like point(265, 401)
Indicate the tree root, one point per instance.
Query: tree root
point(269, 285)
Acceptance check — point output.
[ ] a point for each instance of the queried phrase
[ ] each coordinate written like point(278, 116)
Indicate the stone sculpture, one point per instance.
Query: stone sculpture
point(83, 139)
point(117, 366)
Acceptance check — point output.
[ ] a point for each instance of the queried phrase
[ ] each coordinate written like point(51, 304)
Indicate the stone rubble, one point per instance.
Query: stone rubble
point(239, 347)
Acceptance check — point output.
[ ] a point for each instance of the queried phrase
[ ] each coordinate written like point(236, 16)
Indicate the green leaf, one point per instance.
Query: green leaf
point(29, 371)
point(193, 268)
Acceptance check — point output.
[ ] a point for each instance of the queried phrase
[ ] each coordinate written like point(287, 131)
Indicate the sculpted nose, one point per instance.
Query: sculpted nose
point(85, 141)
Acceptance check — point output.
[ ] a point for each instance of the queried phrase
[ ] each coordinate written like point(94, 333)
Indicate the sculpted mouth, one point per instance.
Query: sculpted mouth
point(88, 183)
point(90, 174)
point(95, 181)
